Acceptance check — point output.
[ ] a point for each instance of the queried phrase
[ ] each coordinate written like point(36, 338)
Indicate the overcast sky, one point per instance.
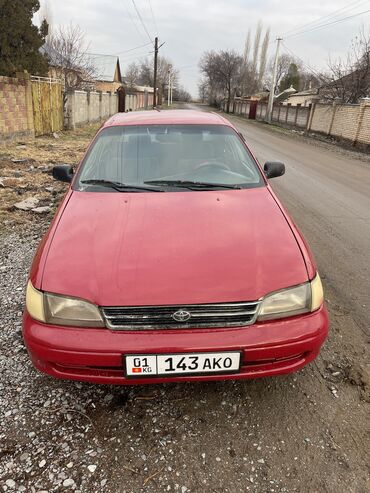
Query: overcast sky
point(190, 27)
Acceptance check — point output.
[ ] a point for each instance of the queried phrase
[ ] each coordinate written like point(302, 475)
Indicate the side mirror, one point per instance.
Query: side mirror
point(273, 169)
point(63, 172)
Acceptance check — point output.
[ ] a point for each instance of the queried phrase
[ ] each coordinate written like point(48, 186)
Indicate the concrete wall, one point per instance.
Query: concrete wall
point(137, 100)
point(94, 107)
point(105, 105)
point(16, 114)
point(295, 116)
point(88, 106)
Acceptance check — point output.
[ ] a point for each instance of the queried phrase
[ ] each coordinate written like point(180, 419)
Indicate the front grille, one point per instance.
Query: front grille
point(181, 316)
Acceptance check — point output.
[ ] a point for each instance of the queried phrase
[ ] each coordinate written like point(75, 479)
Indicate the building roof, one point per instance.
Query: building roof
point(174, 117)
point(55, 58)
point(105, 67)
point(260, 96)
point(308, 92)
point(287, 93)
point(143, 88)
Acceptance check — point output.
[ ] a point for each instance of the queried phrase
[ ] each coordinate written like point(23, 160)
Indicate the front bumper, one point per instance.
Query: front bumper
point(96, 355)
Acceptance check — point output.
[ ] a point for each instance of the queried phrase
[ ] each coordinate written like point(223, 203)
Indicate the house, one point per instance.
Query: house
point(90, 72)
point(61, 67)
point(259, 96)
point(106, 72)
point(282, 96)
point(350, 88)
point(302, 98)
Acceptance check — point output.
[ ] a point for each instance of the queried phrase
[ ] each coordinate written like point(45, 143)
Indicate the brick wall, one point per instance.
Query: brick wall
point(364, 130)
point(16, 118)
point(347, 122)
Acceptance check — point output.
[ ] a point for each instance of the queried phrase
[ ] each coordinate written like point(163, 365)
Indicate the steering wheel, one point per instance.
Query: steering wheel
point(213, 164)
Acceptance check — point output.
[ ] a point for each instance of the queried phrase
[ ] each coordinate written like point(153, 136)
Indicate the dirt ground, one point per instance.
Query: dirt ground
point(306, 432)
point(25, 171)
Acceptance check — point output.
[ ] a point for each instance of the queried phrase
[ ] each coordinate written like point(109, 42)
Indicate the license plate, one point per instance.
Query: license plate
point(146, 365)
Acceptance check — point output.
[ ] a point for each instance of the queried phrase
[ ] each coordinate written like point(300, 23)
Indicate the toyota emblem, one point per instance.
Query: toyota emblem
point(181, 316)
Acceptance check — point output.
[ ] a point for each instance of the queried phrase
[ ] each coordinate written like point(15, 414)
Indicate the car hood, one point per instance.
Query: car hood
point(172, 248)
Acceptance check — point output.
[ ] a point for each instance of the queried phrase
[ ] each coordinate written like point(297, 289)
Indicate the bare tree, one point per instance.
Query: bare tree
point(67, 51)
point(132, 74)
point(180, 94)
point(223, 73)
point(282, 70)
point(165, 67)
point(348, 78)
point(203, 90)
point(146, 75)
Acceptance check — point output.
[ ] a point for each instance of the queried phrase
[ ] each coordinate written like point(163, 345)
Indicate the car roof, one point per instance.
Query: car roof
point(167, 117)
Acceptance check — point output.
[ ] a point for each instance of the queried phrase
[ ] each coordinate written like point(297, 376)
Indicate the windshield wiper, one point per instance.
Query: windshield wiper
point(120, 187)
point(192, 185)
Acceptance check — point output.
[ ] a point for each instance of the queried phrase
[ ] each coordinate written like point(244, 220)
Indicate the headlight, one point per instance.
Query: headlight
point(35, 303)
point(61, 310)
point(317, 293)
point(304, 298)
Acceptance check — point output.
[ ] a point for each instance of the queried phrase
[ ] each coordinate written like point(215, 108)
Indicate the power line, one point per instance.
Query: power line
point(328, 24)
point(153, 17)
point(134, 23)
point(327, 16)
point(134, 57)
point(141, 20)
point(132, 49)
point(310, 69)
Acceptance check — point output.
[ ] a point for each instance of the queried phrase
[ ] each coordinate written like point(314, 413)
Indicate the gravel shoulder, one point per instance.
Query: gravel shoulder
point(302, 432)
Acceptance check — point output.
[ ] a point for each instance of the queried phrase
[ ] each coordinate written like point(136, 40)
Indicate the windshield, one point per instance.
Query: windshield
point(167, 157)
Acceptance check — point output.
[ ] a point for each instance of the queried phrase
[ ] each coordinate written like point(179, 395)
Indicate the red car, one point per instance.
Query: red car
point(171, 259)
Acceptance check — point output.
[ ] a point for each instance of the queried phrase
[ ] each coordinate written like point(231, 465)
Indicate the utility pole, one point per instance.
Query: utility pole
point(156, 48)
point(169, 88)
point(155, 71)
point(273, 82)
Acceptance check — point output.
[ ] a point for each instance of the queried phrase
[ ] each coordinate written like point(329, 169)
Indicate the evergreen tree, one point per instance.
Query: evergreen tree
point(20, 39)
point(292, 78)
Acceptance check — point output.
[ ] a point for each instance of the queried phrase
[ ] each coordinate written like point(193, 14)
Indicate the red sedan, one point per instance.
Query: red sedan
point(171, 259)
